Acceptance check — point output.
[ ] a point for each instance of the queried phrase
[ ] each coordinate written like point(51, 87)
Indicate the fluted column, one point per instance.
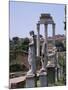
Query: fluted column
point(38, 39)
point(46, 34)
point(46, 45)
point(53, 27)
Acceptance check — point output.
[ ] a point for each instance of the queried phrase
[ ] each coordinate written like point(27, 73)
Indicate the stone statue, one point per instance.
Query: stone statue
point(31, 55)
point(44, 56)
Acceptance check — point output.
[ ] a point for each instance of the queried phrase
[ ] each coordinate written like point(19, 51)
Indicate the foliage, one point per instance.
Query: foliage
point(61, 60)
point(17, 44)
point(60, 46)
point(15, 40)
point(24, 45)
point(17, 67)
point(62, 63)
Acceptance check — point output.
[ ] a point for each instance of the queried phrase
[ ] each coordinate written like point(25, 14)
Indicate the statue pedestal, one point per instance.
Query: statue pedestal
point(43, 78)
point(30, 81)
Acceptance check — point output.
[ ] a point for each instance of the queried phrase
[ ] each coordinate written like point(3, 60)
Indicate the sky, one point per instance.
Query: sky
point(25, 15)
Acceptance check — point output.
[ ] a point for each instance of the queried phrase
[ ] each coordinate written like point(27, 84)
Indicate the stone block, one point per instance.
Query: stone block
point(30, 81)
point(43, 79)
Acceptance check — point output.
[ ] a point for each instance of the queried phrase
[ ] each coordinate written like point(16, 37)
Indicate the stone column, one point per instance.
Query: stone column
point(46, 34)
point(53, 26)
point(38, 39)
point(46, 45)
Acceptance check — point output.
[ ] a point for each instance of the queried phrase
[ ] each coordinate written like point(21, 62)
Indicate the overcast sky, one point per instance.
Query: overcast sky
point(24, 16)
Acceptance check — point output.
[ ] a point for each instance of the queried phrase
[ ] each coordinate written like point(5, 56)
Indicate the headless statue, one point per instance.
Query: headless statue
point(32, 55)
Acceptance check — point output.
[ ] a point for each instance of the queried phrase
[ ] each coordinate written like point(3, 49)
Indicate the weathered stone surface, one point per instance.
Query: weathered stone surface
point(30, 81)
point(43, 79)
point(32, 56)
point(48, 60)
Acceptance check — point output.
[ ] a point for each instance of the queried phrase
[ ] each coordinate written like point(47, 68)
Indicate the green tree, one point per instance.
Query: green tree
point(59, 45)
point(25, 44)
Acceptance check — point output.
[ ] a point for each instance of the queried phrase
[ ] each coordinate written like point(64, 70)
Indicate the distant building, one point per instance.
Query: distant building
point(58, 38)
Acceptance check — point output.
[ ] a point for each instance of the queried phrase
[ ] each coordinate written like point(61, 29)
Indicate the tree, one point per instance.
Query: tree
point(59, 45)
point(15, 40)
point(25, 44)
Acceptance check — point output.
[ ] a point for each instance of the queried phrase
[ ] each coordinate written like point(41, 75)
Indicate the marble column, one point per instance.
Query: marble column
point(38, 39)
point(46, 45)
point(46, 33)
point(53, 26)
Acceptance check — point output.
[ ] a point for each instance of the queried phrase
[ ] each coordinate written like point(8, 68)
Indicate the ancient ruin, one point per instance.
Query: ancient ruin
point(48, 57)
